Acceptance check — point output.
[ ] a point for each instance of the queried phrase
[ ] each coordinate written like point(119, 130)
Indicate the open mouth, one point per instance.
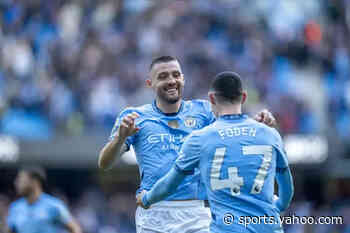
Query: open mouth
point(171, 90)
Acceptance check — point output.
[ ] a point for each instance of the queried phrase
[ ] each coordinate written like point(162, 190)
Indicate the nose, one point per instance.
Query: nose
point(171, 80)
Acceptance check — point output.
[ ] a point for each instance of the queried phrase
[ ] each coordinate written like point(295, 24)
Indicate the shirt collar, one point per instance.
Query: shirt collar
point(233, 116)
point(155, 108)
point(37, 200)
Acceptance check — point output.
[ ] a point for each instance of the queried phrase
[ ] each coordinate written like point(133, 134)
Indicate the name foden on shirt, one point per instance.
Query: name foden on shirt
point(237, 131)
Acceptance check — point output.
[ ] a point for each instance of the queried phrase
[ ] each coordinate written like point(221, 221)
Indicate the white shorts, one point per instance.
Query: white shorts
point(173, 217)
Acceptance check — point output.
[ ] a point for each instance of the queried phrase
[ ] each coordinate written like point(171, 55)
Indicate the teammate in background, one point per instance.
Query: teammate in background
point(157, 132)
point(37, 212)
point(238, 159)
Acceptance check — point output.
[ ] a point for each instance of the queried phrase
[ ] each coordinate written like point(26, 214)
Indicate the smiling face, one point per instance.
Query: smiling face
point(167, 81)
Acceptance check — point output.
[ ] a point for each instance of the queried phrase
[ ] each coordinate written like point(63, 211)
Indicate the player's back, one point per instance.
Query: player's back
point(238, 163)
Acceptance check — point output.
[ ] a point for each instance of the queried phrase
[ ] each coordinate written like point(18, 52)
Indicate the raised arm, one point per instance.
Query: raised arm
point(73, 227)
point(283, 177)
point(117, 146)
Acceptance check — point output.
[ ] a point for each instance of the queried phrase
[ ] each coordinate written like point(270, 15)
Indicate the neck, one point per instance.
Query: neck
point(33, 196)
point(229, 109)
point(168, 108)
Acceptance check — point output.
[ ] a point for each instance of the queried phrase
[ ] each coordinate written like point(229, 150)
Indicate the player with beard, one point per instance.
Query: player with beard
point(157, 132)
point(36, 211)
point(239, 160)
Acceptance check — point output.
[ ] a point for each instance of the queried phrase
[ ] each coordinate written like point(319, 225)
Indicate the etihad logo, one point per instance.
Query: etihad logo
point(165, 137)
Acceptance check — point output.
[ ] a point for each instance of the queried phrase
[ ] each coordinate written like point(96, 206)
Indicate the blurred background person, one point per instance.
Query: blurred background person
point(37, 211)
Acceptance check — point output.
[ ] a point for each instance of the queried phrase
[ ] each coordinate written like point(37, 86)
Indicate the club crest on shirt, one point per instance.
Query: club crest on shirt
point(190, 122)
point(173, 124)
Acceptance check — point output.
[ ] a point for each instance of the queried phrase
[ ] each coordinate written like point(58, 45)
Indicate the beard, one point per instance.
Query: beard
point(169, 98)
point(24, 192)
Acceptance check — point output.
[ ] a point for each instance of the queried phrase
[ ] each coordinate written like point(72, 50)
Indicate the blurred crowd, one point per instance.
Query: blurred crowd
point(73, 65)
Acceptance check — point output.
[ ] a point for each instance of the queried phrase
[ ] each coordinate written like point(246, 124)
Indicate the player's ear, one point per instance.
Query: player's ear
point(148, 83)
point(211, 96)
point(244, 97)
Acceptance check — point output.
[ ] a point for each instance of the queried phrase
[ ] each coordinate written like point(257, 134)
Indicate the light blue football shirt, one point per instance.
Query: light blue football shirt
point(46, 215)
point(238, 158)
point(159, 140)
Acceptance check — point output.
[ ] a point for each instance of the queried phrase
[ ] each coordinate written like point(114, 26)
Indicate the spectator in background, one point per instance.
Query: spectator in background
point(73, 58)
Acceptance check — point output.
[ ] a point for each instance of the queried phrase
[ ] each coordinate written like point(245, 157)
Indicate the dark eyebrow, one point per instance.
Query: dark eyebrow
point(162, 73)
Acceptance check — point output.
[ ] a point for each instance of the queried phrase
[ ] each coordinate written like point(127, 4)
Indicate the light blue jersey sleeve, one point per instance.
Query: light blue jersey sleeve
point(62, 214)
point(129, 141)
point(209, 112)
point(163, 187)
point(282, 161)
point(283, 176)
point(189, 155)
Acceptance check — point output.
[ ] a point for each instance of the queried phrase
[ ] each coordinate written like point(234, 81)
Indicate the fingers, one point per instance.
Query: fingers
point(129, 120)
point(266, 117)
point(139, 199)
point(135, 130)
point(123, 124)
point(258, 117)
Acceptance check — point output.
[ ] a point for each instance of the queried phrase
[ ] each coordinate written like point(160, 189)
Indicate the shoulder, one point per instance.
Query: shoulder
point(204, 132)
point(143, 109)
point(267, 131)
point(17, 204)
point(272, 132)
point(53, 201)
point(200, 103)
point(201, 109)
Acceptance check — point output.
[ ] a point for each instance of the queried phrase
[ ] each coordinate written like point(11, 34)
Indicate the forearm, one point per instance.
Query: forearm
point(73, 227)
point(285, 189)
point(163, 187)
point(110, 152)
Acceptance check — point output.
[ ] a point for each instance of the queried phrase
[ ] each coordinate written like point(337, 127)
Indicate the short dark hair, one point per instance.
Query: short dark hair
point(37, 173)
point(228, 87)
point(161, 59)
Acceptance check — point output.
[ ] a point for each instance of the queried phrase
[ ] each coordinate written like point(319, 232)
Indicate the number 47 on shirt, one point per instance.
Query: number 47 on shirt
point(234, 182)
